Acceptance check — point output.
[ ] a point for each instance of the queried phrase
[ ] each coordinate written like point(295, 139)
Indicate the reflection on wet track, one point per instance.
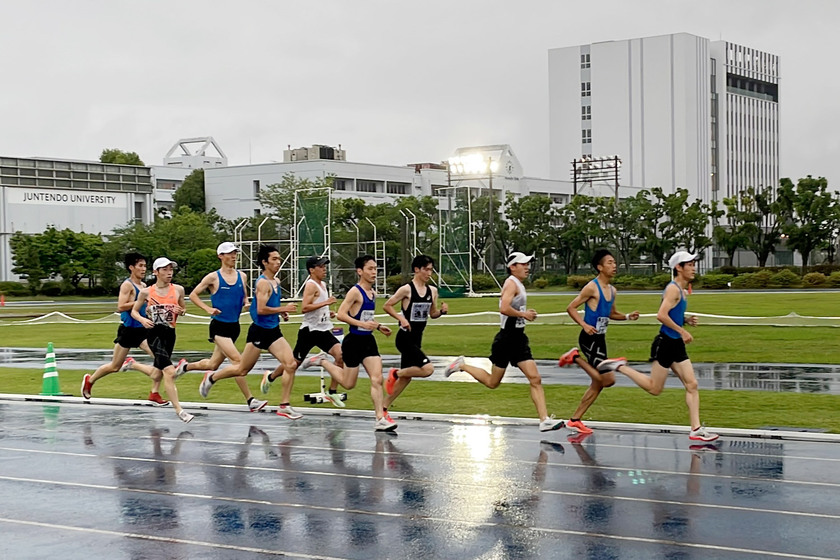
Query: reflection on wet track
point(134, 482)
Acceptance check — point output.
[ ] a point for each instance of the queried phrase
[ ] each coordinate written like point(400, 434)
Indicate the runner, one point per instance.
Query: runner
point(599, 310)
point(511, 344)
point(165, 304)
point(227, 297)
point(316, 330)
point(130, 334)
point(264, 333)
point(669, 345)
point(416, 310)
point(359, 346)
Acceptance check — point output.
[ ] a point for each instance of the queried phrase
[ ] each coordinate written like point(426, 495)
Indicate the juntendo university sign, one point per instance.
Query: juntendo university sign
point(65, 198)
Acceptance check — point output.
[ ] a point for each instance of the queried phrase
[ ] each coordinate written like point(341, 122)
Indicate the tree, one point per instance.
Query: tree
point(72, 256)
point(729, 236)
point(26, 259)
point(759, 213)
point(578, 235)
point(114, 155)
point(808, 210)
point(279, 198)
point(620, 223)
point(191, 193)
point(531, 224)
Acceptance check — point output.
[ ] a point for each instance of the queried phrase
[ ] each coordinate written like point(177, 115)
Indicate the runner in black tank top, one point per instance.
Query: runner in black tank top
point(417, 308)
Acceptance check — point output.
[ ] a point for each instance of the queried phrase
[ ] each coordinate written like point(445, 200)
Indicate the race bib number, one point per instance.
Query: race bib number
point(520, 321)
point(366, 315)
point(601, 325)
point(420, 312)
point(162, 314)
point(325, 316)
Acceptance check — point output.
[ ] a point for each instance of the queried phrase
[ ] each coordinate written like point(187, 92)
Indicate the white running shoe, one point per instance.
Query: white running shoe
point(206, 384)
point(256, 405)
point(551, 423)
point(127, 364)
point(185, 416)
point(612, 364)
point(314, 361)
point(288, 412)
point(385, 424)
point(702, 434)
point(181, 368)
point(454, 366)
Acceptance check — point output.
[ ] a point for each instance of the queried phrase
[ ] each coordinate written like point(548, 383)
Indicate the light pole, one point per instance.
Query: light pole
point(491, 237)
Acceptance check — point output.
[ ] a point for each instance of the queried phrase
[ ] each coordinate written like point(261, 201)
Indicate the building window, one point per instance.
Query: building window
point(340, 184)
point(256, 212)
point(585, 89)
point(256, 188)
point(138, 210)
point(586, 112)
point(366, 186)
point(398, 188)
point(584, 60)
point(586, 136)
point(438, 190)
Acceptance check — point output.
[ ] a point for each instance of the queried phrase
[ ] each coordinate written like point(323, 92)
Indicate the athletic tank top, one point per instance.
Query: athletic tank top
point(229, 299)
point(519, 302)
point(677, 314)
point(125, 316)
point(418, 309)
point(161, 308)
point(271, 321)
point(600, 316)
point(318, 320)
point(365, 313)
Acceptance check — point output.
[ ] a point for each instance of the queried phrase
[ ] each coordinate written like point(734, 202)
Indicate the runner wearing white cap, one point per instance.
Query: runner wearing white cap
point(511, 344)
point(228, 295)
point(669, 346)
point(165, 304)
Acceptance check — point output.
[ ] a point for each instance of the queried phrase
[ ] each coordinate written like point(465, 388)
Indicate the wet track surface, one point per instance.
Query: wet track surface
point(120, 482)
point(813, 378)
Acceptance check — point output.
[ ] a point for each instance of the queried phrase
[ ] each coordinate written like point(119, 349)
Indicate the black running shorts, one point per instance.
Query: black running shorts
point(667, 350)
point(356, 347)
point(131, 337)
point(261, 337)
point(510, 347)
point(308, 339)
point(593, 347)
point(162, 342)
point(225, 330)
point(409, 348)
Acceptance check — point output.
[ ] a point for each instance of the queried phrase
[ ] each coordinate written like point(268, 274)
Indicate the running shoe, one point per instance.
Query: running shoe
point(546, 445)
point(287, 411)
point(185, 416)
point(392, 378)
point(127, 364)
point(388, 416)
point(578, 426)
point(703, 447)
point(206, 384)
point(314, 361)
point(181, 368)
point(157, 400)
point(454, 366)
point(702, 434)
point(256, 405)
point(568, 358)
point(265, 384)
point(86, 386)
point(611, 364)
point(551, 423)
point(335, 399)
point(385, 424)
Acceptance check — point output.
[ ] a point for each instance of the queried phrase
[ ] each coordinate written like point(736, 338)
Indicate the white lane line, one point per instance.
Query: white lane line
point(172, 540)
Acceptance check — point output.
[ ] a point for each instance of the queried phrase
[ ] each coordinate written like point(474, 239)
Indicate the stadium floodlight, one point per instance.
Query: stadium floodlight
point(588, 169)
point(472, 164)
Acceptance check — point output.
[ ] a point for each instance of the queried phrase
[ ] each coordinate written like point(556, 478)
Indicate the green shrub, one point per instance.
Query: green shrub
point(826, 269)
point(393, 282)
point(554, 278)
point(639, 282)
point(484, 283)
point(716, 281)
point(753, 280)
point(731, 270)
point(624, 280)
point(814, 280)
point(50, 289)
point(541, 283)
point(577, 281)
point(786, 279)
point(13, 289)
point(660, 280)
point(834, 280)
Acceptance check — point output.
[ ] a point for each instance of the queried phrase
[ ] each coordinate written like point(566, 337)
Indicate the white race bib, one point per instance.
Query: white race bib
point(420, 312)
point(601, 325)
point(366, 315)
point(520, 321)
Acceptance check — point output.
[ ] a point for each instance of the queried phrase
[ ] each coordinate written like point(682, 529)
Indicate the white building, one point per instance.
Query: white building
point(184, 157)
point(678, 110)
point(83, 196)
point(234, 190)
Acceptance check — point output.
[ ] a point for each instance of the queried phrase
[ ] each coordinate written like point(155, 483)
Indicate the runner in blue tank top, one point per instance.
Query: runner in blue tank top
point(511, 347)
point(598, 299)
point(130, 334)
point(669, 346)
point(264, 333)
point(359, 346)
point(228, 294)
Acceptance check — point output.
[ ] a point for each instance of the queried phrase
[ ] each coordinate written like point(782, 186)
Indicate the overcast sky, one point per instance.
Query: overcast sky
point(393, 82)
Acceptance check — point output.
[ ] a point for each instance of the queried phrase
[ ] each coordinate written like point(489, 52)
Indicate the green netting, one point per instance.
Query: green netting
point(312, 215)
point(455, 253)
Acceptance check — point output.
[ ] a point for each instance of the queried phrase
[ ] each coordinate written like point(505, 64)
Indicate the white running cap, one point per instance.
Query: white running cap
point(162, 262)
point(518, 258)
point(225, 248)
point(680, 257)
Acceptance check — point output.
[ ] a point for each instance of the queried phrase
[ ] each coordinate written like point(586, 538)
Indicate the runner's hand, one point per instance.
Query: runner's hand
point(530, 315)
point(214, 312)
point(384, 330)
